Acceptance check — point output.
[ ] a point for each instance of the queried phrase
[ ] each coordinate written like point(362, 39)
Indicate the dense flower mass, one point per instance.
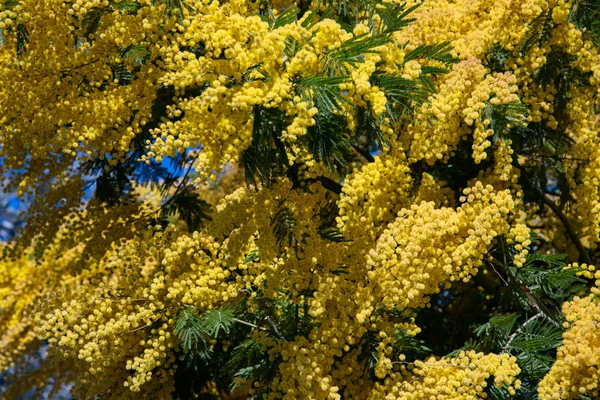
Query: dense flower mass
point(301, 199)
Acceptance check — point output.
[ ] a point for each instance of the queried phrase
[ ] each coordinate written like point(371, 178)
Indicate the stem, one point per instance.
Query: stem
point(364, 153)
point(239, 321)
point(328, 184)
point(512, 337)
point(274, 330)
point(583, 254)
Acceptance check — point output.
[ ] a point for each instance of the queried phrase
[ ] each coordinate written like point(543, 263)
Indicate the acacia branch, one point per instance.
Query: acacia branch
point(328, 184)
point(583, 254)
point(364, 153)
point(514, 335)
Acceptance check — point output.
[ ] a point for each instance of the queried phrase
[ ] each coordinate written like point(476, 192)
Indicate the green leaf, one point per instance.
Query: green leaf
point(283, 223)
point(402, 94)
point(537, 336)
point(440, 52)
point(22, 39)
point(539, 31)
point(190, 207)
point(387, 18)
point(92, 20)
point(335, 61)
point(252, 256)
point(504, 116)
point(332, 234)
point(122, 74)
point(288, 16)
point(498, 326)
point(216, 321)
point(130, 6)
point(137, 52)
point(266, 157)
point(496, 58)
point(189, 328)
point(585, 15)
point(322, 92)
point(252, 70)
point(328, 141)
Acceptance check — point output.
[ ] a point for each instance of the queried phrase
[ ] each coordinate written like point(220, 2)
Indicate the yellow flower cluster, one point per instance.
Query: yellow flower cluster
point(105, 289)
point(463, 377)
point(577, 368)
point(426, 246)
point(119, 329)
point(373, 195)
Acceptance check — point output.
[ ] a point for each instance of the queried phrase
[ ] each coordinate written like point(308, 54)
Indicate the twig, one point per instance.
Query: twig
point(498, 273)
point(583, 254)
point(274, 330)
point(540, 314)
point(364, 153)
point(328, 184)
point(239, 321)
point(514, 335)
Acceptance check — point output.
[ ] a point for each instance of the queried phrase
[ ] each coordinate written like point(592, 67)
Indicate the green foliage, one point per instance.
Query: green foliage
point(559, 73)
point(322, 92)
point(22, 39)
point(283, 223)
point(402, 94)
point(540, 31)
point(546, 275)
point(585, 15)
point(335, 61)
point(194, 338)
point(287, 16)
point(504, 116)
point(328, 140)
point(266, 157)
point(440, 52)
point(496, 58)
point(190, 207)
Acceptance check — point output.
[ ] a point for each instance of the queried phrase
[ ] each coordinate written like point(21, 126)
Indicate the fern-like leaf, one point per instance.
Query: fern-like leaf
point(322, 92)
point(193, 337)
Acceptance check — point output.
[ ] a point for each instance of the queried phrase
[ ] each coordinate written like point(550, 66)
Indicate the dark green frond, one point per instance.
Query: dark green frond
point(440, 52)
point(189, 328)
point(540, 31)
point(288, 16)
point(504, 116)
point(498, 328)
point(335, 61)
point(266, 158)
point(22, 39)
point(218, 320)
point(537, 336)
point(252, 256)
point(402, 94)
point(585, 15)
point(256, 73)
point(283, 223)
point(496, 58)
point(332, 234)
point(130, 6)
point(328, 142)
point(322, 92)
point(190, 207)
point(390, 17)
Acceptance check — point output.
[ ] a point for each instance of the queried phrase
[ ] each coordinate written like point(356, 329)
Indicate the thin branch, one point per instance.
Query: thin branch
point(274, 330)
point(328, 184)
point(583, 254)
point(239, 321)
point(514, 335)
point(364, 153)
